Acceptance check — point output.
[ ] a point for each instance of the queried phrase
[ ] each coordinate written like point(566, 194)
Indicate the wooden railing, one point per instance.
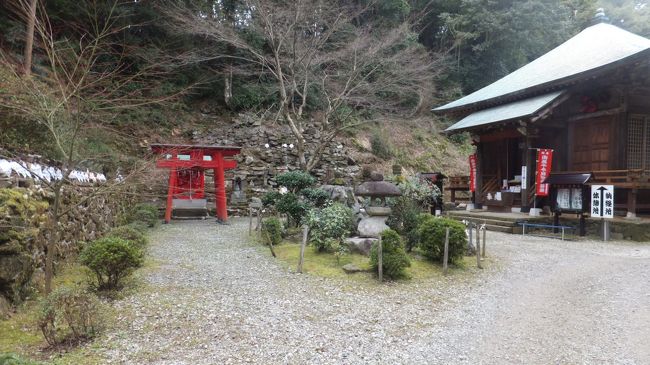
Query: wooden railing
point(635, 178)
point(458, 183)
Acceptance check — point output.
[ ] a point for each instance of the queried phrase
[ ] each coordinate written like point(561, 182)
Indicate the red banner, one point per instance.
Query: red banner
point(472, 173)
point(544, 164)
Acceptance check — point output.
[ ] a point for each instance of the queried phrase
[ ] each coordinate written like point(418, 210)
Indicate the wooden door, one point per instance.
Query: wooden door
point(590, 145)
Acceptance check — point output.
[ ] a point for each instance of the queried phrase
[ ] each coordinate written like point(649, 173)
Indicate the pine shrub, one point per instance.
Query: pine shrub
point(394, 258)
point(295, 181)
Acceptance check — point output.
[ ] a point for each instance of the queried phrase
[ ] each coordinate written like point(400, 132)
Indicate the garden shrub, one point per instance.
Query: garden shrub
point(272, 230)
point(423, 192)
point(69, 314)
point(380, 146)
point(295, 181)
point(13, 359)
point(290, 204)
point(394, 258)
point(271, 198)
point(431, 231)
point(130, 234)
point(404, 220)
point(111, 259)
point(145, 213)
point(138, 226)
point(329, 226)
point(315, 196)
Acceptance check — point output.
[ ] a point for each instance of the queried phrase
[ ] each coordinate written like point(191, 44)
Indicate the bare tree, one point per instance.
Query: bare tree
point(327, 65)
point(86, 83)
point(29, 37)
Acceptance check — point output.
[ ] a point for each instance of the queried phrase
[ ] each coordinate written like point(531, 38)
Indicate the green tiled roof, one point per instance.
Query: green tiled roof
point(594, 48)
point(518, 109)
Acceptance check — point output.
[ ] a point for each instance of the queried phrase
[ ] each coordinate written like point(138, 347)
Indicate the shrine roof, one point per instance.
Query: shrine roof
point(596, 49)
point(512, 111)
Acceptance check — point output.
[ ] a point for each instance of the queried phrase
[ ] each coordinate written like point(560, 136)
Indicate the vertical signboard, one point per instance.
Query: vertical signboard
point(544, 163)
point(472, 173)
point(602, 201)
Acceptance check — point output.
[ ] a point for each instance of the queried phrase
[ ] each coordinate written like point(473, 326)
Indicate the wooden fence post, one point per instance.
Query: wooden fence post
point(380, 260)
point(305, 232)
point(478, 238)
point(484, 239)
point(445, 258)
point(250, 221)
point(478, 249)
point(470, 229)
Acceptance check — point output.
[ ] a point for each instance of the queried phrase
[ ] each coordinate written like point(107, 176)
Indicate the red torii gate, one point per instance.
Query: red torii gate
point(196, 159)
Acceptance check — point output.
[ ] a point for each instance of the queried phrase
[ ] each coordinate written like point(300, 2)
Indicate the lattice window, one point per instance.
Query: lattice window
point(638, 145)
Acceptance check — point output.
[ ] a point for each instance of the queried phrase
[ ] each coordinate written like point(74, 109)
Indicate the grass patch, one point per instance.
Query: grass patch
point(20, 334)
point(325, 264)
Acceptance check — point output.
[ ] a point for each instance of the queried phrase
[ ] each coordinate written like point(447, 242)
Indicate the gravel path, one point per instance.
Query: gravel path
point(216, 299)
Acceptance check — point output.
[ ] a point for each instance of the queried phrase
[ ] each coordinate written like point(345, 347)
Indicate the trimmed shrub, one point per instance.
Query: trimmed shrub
point(271, 198)
point(295, 180)
point(329, 226)
point(145, 213)
point(316, 196)
point(290, 204)
point(404, 220)
point(111, 259)
point(272, 230)
point(431, 231)
point(394, 258)
point(69, 314)
point(130, 234)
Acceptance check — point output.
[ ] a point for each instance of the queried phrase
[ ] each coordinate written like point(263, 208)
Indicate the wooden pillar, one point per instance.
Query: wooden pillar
point(631, 203)
point(526, 158)
point(478, 194)
point(453, 195)
point(170, 194)
point(220, 190)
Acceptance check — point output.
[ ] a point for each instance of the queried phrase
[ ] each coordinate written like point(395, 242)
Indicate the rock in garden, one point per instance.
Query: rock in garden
point(360, 244)
point(351, 268)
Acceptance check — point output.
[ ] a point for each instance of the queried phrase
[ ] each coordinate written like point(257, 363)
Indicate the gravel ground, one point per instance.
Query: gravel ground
point(216, 299)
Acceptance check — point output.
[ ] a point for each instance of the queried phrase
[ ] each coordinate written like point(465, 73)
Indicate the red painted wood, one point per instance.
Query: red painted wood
point(189, 164)
point(220, 190)
point(197, 163)
point(170, 194)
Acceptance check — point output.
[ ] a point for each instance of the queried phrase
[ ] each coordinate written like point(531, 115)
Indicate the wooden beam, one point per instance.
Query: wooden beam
point(612, 111)
point(227, 164)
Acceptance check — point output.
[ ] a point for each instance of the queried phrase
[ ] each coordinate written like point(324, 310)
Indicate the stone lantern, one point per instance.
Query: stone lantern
point(378, 211)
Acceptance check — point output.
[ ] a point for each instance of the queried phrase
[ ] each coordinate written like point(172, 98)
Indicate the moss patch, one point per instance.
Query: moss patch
point(325, 265)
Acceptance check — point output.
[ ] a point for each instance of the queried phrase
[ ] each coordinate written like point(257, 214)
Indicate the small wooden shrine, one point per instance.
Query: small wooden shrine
point(187, 165)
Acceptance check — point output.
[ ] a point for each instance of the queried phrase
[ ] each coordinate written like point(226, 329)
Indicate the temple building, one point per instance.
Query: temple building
point(585, 104)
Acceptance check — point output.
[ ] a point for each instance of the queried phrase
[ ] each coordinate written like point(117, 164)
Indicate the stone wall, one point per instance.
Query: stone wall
point(268, 151)
point(24, 229)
